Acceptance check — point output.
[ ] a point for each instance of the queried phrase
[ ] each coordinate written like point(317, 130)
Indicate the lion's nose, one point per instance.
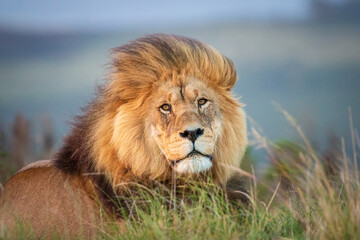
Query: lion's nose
point(192, 135)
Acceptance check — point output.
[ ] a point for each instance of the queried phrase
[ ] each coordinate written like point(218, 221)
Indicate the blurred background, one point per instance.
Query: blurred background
point(302, 54)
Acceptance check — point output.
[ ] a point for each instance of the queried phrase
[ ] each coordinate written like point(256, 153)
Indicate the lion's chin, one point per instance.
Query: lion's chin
point(193, 164)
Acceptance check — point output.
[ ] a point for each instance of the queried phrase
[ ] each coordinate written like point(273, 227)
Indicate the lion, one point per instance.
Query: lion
point(165, 109)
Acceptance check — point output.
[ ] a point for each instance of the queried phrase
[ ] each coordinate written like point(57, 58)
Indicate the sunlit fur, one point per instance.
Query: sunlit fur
point(120, 122)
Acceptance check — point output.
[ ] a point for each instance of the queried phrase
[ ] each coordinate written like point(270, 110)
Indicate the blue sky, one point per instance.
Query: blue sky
point(95, 14)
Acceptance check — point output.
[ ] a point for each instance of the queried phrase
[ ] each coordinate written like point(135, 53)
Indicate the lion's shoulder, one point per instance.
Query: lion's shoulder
point(44, 174)
point(49, 199)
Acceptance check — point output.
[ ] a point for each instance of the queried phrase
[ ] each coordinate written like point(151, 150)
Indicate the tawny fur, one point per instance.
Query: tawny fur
point(49, 201)
point(111, 142)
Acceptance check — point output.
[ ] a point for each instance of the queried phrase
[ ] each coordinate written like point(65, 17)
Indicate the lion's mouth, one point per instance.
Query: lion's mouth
point(190, 155)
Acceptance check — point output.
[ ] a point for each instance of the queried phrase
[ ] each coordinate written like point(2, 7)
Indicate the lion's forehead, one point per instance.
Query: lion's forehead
point(190, 88)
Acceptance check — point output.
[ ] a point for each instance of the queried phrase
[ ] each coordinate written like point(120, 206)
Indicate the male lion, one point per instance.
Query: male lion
point(166, 108)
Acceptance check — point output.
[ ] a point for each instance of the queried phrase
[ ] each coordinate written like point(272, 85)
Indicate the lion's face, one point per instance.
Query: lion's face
point(185, 124)
point(167, 106)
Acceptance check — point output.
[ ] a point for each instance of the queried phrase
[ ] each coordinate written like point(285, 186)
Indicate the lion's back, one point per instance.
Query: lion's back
point(51, 201)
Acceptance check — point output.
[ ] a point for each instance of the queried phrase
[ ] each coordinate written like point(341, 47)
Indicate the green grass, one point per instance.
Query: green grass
point(203, 214)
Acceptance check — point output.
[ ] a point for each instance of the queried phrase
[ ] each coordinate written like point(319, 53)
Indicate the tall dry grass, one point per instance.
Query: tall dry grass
point(321, 191)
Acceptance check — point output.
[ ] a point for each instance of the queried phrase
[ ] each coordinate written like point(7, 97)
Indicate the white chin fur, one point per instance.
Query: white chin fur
point(194, 164)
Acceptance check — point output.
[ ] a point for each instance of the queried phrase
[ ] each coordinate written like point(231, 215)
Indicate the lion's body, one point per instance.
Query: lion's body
point(166, 109)
point(51, 201)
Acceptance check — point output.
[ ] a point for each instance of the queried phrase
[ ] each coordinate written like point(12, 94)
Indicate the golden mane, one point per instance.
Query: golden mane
point(117, 144)
point(112, 144)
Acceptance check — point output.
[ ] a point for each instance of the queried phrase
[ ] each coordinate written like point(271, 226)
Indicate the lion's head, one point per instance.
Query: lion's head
point(167, 105)
point(185, 123)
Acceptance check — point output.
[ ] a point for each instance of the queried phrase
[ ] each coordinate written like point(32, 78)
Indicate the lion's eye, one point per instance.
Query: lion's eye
point(202, 101)
point(165, 108)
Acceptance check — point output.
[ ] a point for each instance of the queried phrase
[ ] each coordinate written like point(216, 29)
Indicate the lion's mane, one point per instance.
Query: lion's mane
point(115, 153)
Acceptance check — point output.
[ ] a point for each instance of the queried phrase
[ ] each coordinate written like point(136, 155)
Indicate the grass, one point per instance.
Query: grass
point(204, 214)
point(302, 195)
